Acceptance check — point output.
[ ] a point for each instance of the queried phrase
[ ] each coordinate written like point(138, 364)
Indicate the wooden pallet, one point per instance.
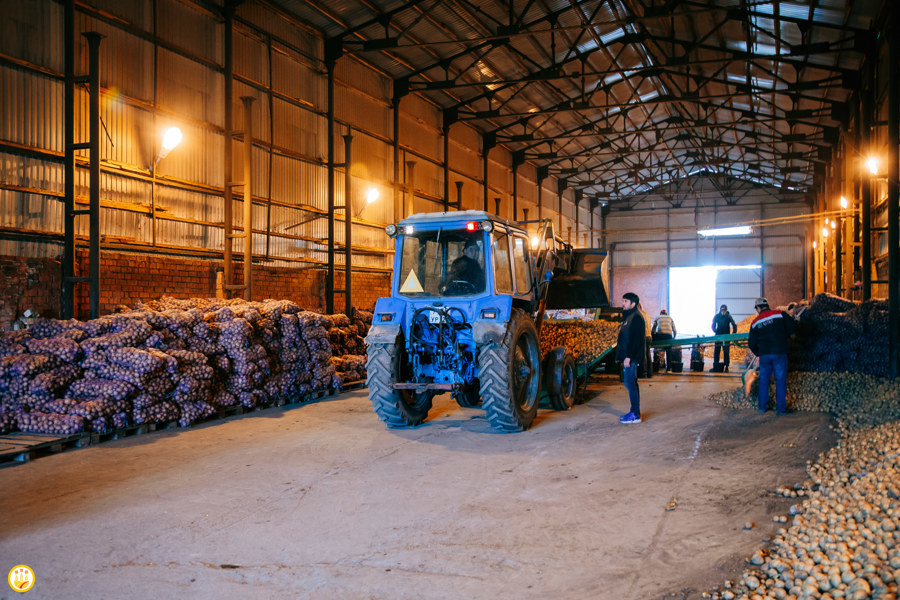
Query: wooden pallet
point(20, 447)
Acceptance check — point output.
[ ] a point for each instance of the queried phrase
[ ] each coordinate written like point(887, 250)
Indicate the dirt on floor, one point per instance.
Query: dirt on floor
point(321, 500)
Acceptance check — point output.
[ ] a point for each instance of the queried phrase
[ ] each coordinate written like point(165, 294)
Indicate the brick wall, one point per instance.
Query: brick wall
point(127, 278)
point(367, 288)
point(28, 283)
point(783, 284)
point(649, 283)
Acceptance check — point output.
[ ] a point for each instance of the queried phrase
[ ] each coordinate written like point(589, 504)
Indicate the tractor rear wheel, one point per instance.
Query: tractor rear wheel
point(397, 408)
point(510, 375)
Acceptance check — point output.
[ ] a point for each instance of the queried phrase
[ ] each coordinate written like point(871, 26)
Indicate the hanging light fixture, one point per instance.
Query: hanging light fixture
point(872, 165)
point(725, 231)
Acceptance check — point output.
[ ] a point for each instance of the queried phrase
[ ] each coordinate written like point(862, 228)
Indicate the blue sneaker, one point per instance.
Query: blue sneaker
point(630, 418)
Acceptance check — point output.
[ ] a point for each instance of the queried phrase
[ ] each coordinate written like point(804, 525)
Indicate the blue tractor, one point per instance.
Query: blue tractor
point(468, 295)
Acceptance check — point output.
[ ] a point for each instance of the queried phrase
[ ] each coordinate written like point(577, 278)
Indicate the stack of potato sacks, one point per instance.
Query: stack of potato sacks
point(348, 346)
point(167, 360)
point(837, 335)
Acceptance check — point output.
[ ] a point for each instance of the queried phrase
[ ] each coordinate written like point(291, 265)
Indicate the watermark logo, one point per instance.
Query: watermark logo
point(21, 578)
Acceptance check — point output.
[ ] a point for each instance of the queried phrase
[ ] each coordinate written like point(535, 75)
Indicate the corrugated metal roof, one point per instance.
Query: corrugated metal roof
point(618, 97)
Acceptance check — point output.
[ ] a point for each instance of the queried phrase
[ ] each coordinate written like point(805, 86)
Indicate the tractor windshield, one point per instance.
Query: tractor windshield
point(442, 263)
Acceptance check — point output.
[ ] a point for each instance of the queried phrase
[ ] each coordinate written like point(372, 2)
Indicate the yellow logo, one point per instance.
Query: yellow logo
point(21, 578)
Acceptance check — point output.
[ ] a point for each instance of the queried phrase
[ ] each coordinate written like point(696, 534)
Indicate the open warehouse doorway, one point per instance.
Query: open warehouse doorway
point(695, 294)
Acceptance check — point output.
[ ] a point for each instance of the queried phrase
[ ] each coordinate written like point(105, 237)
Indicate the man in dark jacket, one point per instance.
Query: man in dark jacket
point(466, 275)
point(769, 335)
point(630, 352)
point(723, 324)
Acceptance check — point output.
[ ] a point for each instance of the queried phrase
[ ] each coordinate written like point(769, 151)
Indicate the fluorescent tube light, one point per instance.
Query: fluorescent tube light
point(741, 230)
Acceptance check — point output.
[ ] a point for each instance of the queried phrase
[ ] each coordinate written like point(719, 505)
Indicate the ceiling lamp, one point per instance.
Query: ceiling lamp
point(725, 231)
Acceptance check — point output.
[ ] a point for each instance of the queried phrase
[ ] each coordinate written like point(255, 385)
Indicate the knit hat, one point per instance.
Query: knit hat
point(663, 312)
point(723, 307)
point(631, 296)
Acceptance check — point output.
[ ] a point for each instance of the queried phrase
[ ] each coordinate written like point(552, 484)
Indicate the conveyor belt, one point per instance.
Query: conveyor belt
point(734, 338)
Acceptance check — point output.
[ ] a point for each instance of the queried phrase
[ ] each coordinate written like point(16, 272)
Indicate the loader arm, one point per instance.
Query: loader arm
point(582, 285)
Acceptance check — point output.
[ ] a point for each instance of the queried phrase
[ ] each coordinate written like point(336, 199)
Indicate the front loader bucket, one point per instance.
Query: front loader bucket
point(584, 285)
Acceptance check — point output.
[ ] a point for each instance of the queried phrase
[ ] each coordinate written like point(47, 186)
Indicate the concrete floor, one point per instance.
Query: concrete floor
point(322, 501)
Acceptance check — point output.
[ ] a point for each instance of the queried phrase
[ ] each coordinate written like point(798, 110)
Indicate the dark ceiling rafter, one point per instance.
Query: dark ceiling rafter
point(626, 92)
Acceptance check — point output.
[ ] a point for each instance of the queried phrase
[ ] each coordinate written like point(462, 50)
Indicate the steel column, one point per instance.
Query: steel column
point(515, 192)
point(228, 217)
point(485, 190)
point(893, 190)
point(446, 132)
point(396, 148)
point(271, 100)
point(67, 310)
point(540, 197)
point(93, 39)
point(348, 222)
point(248, 197)
point(865, 142)
point(329, 277)
point(411, 188)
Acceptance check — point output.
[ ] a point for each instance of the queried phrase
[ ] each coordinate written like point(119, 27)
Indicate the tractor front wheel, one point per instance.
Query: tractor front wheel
point(397, 408)
point(510, 375)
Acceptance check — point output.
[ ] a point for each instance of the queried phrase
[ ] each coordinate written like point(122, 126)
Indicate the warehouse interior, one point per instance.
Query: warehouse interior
point(171, 158)
point(632, 127)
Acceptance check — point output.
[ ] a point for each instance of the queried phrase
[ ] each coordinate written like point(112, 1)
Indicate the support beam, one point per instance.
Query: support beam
point(329, 277)
point(446, 133)
point(485, 189)
point(410, 187)
point(228, 217)
point(894, 191)
point(93, 39)
point(348, 232)
point(248, 197)
point(515, 192)
point(67, 309)
point(396, 147)
point(865, 143)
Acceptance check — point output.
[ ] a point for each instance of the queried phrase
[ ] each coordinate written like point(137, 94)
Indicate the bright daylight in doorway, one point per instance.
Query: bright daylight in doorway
point(692, 297)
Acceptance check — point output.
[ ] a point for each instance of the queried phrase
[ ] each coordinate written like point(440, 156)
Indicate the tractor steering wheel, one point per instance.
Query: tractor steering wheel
point(461, 286)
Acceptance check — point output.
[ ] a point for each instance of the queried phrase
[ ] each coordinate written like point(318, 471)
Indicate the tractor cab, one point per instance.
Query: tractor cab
point(461, 256)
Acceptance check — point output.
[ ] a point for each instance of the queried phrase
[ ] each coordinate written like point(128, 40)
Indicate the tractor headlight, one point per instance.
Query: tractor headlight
point(488, 226)
point(489, 313)
point(391, 230)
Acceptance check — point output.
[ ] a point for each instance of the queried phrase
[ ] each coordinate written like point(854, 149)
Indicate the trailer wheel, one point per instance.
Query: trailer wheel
point(510, 375)
point(397, 408)
point(566, 384)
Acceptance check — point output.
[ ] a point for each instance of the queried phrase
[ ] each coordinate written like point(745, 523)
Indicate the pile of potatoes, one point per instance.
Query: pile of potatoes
point(585, 340)
point(841, 538)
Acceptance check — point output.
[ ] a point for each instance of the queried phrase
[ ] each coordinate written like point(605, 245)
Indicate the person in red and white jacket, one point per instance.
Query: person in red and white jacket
point(769, 335)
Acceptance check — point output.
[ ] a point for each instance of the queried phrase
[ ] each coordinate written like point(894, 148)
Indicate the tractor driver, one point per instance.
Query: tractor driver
point(466, 275)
